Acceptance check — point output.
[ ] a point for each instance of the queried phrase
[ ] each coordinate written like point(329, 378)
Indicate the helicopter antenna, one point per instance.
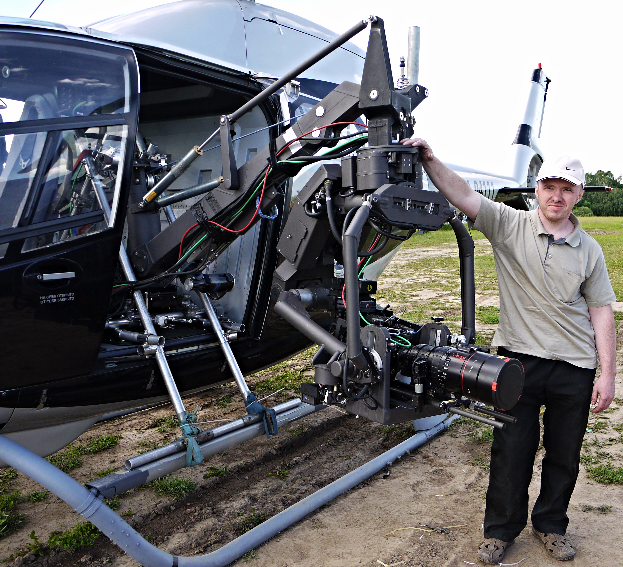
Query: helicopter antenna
point(39, 6)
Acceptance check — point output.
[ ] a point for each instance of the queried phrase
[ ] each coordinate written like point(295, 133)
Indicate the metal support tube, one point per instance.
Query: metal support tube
point(477, 417)
point(290, 308)
point(413, 55)
point(178, 169)
point(468, 285)
point(119, 482)
point(187, 193)
point(229, 355)
point(350, 245)
point(148, 325)
point(204, 436)
point(191, 156)
point(274, 87)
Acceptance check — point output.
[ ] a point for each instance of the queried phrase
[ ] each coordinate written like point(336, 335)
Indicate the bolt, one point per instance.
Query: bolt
point(320, 111)
point(374, 94)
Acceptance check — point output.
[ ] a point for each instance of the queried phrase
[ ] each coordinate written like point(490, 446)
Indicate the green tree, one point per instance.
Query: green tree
point(604, 204)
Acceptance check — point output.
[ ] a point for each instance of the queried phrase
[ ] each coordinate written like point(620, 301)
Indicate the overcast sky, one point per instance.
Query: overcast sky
point(476, 60)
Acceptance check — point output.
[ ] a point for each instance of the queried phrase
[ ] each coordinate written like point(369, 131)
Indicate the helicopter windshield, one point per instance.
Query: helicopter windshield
point(62, 136)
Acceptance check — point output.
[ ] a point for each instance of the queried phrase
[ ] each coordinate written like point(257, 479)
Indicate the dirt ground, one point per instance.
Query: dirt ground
point(424, 511)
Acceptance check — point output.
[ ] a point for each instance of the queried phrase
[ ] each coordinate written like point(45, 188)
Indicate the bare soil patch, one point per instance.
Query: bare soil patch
point(383, 521)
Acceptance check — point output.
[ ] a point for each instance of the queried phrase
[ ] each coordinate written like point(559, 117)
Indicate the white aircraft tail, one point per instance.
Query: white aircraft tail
point(528, 156)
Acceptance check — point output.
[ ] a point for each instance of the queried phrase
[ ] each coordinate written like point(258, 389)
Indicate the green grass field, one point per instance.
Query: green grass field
point(608, 231)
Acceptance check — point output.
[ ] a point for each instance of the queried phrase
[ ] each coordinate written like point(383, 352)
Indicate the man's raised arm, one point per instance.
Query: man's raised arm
point(453, 187)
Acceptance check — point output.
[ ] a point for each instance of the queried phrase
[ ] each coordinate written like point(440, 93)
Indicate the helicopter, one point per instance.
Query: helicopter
point(136, 266)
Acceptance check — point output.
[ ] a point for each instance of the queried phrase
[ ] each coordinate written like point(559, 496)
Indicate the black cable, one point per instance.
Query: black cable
point(376, 250)
point(383, 232)
point(330, 212)
point(349, 215)
point(324, 157)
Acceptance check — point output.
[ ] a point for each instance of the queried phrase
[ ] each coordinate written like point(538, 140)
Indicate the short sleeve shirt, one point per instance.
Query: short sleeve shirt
point(546, 288)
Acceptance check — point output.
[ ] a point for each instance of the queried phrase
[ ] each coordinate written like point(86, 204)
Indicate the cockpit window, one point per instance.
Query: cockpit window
point(39, 81)
point(65, 116)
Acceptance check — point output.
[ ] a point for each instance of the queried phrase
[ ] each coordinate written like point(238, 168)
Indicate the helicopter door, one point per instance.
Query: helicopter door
point(67, 130)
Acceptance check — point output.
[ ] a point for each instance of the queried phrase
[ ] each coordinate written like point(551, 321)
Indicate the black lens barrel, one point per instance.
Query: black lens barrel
point(487, 378)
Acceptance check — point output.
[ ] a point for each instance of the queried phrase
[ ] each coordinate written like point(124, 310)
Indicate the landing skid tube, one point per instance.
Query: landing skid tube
point(89, 504)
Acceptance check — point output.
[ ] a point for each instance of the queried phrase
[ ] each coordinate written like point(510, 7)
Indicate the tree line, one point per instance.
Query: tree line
point(603, 204)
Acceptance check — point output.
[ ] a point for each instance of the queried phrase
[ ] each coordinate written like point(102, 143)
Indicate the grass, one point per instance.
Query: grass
point(216, 472)
point(609, 234)
point(398, 432)
point(165, 424)
point(7, 478)
point(481, 460)
point(603, 509)
point(282, 472)
point(172, 487)
point(37, 495)
point(10, 521)
point(84, 534)
point(484, 435)
point(605, 474)
point(223, 401)
point(488, 315)
point(70, 458)
point(250, 521)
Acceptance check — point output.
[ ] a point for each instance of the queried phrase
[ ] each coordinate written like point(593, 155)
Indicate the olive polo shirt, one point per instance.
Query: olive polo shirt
point(546, 287)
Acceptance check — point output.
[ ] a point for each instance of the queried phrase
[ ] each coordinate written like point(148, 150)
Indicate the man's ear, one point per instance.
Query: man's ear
point(581, 194)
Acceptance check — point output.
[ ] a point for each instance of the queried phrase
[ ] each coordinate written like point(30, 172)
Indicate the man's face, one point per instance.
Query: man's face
point(557, 198)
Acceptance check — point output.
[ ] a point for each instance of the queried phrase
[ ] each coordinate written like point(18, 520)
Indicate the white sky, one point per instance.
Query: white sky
point(476, 61)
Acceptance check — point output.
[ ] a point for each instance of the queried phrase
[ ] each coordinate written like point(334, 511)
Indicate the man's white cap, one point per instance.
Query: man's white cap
point(563, 167)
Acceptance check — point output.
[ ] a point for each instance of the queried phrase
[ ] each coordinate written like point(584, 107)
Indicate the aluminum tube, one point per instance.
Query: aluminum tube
point(330, 47)
point(84, 502)
point(477, 417)
point(350, 244)
point(132, 543)
point(126, 266)
point(116, 483)
point(204, 436)
point(413, 55)
point(258, 535)
point(468, 284)
point(229, 355)
point(187, 193)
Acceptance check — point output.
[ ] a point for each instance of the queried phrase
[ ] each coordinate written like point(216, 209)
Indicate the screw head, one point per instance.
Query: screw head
point(320, 111)
point(374, 94)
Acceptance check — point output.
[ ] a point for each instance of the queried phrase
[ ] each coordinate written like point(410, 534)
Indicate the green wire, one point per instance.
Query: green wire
point(405, 344)
point(321, 153)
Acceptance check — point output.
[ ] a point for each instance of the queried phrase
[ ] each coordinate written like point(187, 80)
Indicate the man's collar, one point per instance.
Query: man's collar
point(572, 240)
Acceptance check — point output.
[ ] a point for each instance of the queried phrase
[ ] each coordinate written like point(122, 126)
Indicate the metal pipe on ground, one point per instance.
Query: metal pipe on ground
point(130, 541)
point(172, 461)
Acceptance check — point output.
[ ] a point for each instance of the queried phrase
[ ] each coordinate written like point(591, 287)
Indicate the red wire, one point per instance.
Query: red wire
point(376, 239)
point(182, 241)
point(268, 170)
point(254, 214)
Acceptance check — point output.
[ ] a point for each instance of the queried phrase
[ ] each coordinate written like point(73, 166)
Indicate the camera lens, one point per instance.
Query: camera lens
point(493, 380)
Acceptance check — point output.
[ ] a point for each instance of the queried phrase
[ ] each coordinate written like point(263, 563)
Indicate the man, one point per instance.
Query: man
point(555, 316)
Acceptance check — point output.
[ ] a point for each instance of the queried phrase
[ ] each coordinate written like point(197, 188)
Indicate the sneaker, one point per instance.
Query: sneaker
point(556, 545)
point(492, 550)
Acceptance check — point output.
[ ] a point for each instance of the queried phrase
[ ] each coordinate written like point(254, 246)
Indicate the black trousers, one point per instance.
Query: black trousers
point(565, 391)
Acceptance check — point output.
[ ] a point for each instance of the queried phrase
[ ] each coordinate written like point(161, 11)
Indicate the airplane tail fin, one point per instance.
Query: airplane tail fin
point(528, 156)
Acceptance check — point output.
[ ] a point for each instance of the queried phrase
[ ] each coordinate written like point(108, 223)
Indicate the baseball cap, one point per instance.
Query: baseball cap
point(563, 167)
